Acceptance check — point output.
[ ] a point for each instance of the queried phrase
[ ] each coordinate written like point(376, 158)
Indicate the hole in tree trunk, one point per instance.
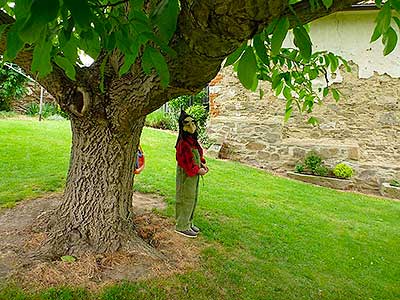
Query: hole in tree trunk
point(79, 102)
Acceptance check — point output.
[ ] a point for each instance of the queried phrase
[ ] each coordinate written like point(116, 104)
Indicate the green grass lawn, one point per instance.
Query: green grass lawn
point(267, 237)
point(33, 158)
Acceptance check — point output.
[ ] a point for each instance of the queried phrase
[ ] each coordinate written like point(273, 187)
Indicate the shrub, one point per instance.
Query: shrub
point(312, 161)
point(321, 170)
point(12, 86)
point(299, 168)
point(184, 102)
point(343, 171)
point(162, 120)
point(395, 183)
point(200, 114)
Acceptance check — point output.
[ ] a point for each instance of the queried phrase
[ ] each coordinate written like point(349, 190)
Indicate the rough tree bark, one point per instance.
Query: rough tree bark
point(96, 211)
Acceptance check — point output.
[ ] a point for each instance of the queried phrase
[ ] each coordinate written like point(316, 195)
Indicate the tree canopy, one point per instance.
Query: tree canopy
point(56, 32)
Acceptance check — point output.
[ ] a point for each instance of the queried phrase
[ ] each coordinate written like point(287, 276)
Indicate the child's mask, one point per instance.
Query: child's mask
point(189, 125)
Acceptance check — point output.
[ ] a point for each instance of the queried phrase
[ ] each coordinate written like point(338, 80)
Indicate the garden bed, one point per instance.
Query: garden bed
point(331, 182)
point(388, 190)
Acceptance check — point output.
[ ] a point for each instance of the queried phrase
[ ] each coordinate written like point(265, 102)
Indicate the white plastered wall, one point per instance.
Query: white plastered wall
point(348, 34)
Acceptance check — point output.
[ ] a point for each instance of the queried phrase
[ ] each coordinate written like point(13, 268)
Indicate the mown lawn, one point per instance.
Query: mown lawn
point(33, 158)
point(267, 237)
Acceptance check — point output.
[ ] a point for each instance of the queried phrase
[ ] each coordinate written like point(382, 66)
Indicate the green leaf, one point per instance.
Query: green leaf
point(136, 3)
point(279, 88)
point(123, 43)
point(233, 57)
point(44, 11)
point(247, 69)
point(302, 41)
point(327, 3)
point(313, 73)
point(165, 18)
point(377, 33)
point(129, 61)
point(287, 93)
point(31, 31)
point(378, 3)
point(270, 27)
point(396, 5)
point(147, 63)
point(70, 50)
point(389, 40)
point(334, 62)
point(288, 113)
point(345, 63)
point(14, 43)
point(90, 42)
point(161, 67)
point(261, 51)
point(384, 17)
point(41, 61)
point(276, 79)
point(279, 35)
point(41, 13)
point(22, 9)
point(80, 12)
point(313, 121)
point(325, 91)
point(66, 65)
point(397, 20)
point(153, 58)
point(335, 94)
point(110, 42)
point(68, 258)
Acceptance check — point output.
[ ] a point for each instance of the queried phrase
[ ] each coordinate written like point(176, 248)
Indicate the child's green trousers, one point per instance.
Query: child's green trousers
point(187, 189)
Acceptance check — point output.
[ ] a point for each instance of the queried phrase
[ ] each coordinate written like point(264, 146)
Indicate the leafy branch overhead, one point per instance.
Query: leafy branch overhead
point(292, 70)
point(141, 32)
point(58, 30)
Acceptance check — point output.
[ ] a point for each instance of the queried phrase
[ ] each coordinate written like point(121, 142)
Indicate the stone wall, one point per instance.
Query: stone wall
point(363, 129)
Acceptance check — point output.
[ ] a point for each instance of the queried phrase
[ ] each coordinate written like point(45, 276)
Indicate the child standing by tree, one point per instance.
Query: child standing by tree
point(190, 165)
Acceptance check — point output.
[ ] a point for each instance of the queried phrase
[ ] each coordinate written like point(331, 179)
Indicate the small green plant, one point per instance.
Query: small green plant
point(32, 109)
point(48, 109)
point(343, 171)
point(321, 170)
point(299, 168)
point(312, 161)
point(394, 183)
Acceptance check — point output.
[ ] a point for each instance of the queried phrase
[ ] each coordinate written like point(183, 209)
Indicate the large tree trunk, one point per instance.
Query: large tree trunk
point(96, 213)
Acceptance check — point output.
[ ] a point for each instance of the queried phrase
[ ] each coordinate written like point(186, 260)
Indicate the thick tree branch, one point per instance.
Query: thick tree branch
point(208, 31)
point(305, 14)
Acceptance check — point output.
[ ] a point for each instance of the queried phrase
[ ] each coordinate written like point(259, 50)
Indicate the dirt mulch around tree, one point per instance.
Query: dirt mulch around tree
point(169, 253)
